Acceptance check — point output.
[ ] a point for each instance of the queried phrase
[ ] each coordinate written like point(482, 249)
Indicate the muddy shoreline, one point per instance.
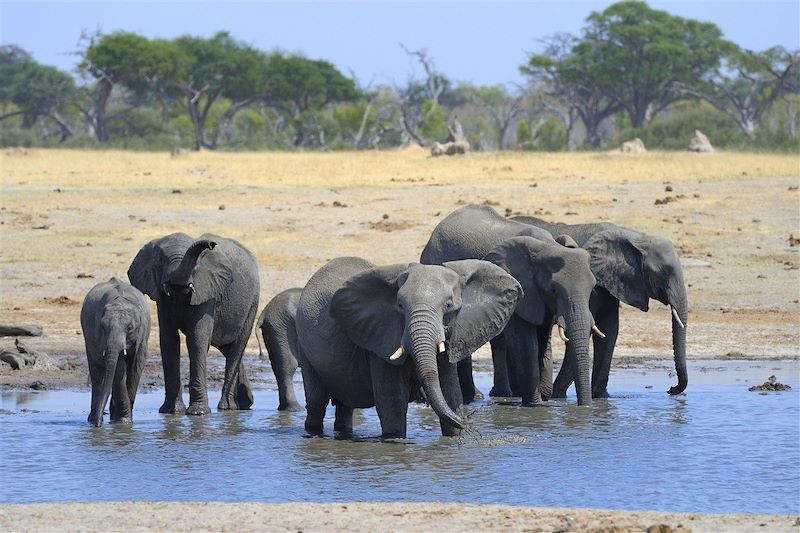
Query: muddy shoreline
point(368, 517)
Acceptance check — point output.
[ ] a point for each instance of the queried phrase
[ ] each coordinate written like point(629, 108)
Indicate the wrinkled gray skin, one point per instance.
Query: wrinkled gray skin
point(630, 267)
point(115, 319)
point(557, 284)
point(208, 289)
point(280, 337)
point(353, 316)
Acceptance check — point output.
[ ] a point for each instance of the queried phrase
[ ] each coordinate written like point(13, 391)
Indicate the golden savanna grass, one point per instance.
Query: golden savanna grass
point(68, 213)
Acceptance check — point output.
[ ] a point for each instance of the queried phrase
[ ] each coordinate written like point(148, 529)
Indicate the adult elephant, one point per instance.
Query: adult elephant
point(368, 336)
point(557, 283)
point(630, 267)
point(277, 326)
point(208, 289)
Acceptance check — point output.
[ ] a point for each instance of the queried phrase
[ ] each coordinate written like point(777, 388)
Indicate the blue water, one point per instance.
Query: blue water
point(718, 448)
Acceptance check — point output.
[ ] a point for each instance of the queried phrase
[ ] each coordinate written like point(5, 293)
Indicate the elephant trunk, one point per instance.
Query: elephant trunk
point(424, 341)
point(182, 273)
point(681, 309)
point(578, 326)
point(100, 400)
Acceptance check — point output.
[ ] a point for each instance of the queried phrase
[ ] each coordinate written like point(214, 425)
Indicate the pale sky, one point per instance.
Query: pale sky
point(477, 42)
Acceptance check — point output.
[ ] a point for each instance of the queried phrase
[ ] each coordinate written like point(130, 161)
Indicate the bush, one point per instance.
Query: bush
point(551, 136)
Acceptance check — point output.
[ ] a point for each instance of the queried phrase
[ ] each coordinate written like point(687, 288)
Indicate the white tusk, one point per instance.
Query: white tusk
point(191, 286)
point(599, 333)
point(677, 318)
point(441, 347)
point(562, 335)
point(397, 355)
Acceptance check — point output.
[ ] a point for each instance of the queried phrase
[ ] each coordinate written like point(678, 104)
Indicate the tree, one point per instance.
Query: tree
point(299, 87)
point(568, 70)
point(760, 79)
point(212, 68)
point(641, 57)
point(502, 107)
point(35, 90)
point(419, 102)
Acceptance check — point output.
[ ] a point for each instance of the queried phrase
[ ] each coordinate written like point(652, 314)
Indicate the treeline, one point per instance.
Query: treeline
point(632, 71)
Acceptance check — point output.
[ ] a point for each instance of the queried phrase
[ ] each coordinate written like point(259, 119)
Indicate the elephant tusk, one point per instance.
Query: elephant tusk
point(441, 347)
point(562, 335)
point(599, 333)
point(397, 354)
point(191, 286)
point(677, 318)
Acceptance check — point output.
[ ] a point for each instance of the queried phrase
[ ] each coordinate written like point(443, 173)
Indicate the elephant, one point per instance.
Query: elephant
point(369, 335)
point(557, 285)
point(277, 326)
point(630, 267)
point(115, 319)
point(208, 289)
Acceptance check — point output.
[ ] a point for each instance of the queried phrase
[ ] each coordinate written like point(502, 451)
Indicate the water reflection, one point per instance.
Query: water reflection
point(733, 445)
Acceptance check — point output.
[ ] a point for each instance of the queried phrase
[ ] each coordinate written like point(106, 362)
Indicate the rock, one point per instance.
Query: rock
point(770, 385)
point(20, 330)
point(635, 146)
point(178, 152)
point(793, 241)
point(14, 360)
point(37, 385)
point(437, 149)
point(700, 143)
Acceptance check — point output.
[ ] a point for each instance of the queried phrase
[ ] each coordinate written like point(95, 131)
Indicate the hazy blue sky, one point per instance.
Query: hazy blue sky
point(479, 42)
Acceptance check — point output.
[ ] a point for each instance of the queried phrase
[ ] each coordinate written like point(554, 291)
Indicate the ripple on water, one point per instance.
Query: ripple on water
point(717, 448)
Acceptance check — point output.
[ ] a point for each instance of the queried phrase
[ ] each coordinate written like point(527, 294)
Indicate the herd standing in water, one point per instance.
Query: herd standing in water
point(383, 336)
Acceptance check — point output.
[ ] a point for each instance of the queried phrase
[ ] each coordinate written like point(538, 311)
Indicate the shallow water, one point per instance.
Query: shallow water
point(718, 448)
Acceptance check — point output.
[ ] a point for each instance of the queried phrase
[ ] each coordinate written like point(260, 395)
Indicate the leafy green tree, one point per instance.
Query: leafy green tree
point(524, 136)
point(643, 56)
point(216, 67)
point(760, 79)
point(35, 90)
point(502, 107)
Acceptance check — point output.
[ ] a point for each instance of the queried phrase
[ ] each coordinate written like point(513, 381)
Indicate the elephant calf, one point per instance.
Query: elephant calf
point(280, 337)
point(115, 319)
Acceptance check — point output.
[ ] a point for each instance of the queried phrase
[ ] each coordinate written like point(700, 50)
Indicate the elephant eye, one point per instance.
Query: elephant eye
point(449, 304)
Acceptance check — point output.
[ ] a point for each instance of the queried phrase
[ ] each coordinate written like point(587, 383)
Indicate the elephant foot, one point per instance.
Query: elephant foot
point(477, 395)
point(289, 406)
point(124, 420)
point(176, 407)
point(198, 408)
point(500, 392)
point(314, 430)
point(96, 421)
point(600, 393)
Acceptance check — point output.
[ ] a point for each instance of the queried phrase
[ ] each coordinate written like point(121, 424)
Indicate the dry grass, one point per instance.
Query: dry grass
point(97, 208)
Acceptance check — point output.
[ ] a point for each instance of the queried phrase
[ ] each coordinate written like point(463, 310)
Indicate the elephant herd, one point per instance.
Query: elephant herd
point(366, 335)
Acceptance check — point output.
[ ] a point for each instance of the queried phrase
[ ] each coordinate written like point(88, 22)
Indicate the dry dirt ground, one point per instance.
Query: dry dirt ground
point(369, 517)
point(69, 219)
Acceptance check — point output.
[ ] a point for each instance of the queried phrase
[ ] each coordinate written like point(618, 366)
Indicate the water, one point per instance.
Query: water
point(718, 448)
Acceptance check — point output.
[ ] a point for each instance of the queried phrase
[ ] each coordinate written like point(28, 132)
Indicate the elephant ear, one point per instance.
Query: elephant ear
point(616, 261)
point(488, 298)
point(145, 270)
point(212, 274)
point(366, 307)
point(567, 241)
point(519, 257)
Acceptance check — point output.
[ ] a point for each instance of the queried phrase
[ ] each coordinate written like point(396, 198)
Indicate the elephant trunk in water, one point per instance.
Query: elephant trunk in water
point(182, 273)
point(680, 317)
point(578, 322)
point(424, 341)
point(100, 398)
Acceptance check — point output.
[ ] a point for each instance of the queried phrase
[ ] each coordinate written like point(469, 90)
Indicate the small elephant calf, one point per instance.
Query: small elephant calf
point(280, 337)
point(115, 319)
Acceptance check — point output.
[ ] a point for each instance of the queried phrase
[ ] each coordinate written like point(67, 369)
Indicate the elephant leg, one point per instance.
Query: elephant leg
point(607, 319)
point(523, 347)
point(564, 378)
point(545, 363)
point(465, 379)
point(392, 392)
point(96, 377)
point(120, 410)
point(236, 390)
point(198, 339)
point(284, 366)
point(452, 392)
point(317, 399)
point(135, 364)
point(170, 360)
point(344, 420)
point(501, 387)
